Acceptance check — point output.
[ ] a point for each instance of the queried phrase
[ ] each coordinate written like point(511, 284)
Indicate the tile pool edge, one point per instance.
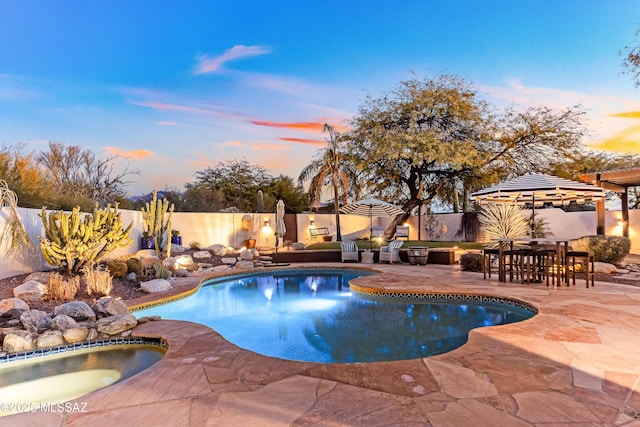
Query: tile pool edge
point(82, 346)
point(441, 296)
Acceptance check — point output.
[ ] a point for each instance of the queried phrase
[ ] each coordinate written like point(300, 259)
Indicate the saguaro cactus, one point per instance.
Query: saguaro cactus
point(260, 202)
point(75, 240)
point(154, 222)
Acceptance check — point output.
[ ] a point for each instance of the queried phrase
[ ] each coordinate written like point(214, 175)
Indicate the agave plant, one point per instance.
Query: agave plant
point(503, 220)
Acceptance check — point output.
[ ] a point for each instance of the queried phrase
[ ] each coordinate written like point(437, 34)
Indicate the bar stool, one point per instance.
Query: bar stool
point(587, 259)
point(488, 255)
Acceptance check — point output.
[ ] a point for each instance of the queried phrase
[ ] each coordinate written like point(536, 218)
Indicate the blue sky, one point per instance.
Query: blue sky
point(178, 86)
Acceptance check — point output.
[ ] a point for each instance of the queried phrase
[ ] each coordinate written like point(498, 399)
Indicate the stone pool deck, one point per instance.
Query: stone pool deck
point(576, 363)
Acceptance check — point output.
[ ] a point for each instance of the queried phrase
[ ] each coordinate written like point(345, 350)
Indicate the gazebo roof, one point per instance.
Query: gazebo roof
point(614, 180)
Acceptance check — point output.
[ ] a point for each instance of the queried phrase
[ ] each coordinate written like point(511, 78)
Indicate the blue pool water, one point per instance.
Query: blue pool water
point(311, 315)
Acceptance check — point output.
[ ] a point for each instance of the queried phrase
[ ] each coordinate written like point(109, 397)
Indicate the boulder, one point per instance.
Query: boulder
point(131, 277)
point(604, 267)
point(244, 265)
point(35, 321)
point(116, 324)
point(177, 249)
point(169, 262)
point(218, 250)
point(62, 322)
point(143, 254)
point(50, 338)
point(184, 261)
point(109, 306)
point(298, 246)
point(182, 272)
point(74, 335)
point(201, 254)
point(78, 310)
point(229, 260)
point(246, 255)
point(18, 341)
point(222, 267)
point(38, 276)
point(30, 291)
point(156, 285)
point(6, 305)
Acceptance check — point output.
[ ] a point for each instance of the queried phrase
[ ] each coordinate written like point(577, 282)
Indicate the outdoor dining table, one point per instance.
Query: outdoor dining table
point(562, 243)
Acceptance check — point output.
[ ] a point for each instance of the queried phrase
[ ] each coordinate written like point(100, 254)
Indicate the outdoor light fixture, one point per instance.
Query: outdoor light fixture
point(266, 222)
point(311, 223)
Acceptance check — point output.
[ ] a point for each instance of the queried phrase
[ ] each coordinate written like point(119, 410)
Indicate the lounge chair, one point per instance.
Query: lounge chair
point(377, 231)
point(390, 253)
point(402, 232)
point(349, 251)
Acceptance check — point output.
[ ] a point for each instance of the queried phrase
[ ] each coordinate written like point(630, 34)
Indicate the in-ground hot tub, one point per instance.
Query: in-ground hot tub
point(36, 380)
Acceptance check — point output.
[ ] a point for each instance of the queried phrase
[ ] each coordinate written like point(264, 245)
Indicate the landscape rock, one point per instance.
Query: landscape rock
point(182, 272)
point(131, 277)
point(8, 304)
point(156, 285)
point(178, 249)
point(169, 262)
point(246, 255)
point(62, 322)
point(223, 267)
point(50, 338)
point(38, 276)
point(184, 261)
point(78, 334)
point(146, 254)
point(604, 267)
point(201, 254)
point(218, 250)
point(298, 246)
point(229, 260)
point(18, 341)
point(109, 306)
point(116, 324)
point(35, 321)
point(30, 291)
point(244, 265)
point(92, 335)
point(78, 310)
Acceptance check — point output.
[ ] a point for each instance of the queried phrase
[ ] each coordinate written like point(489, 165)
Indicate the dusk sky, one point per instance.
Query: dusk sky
point(178, 86)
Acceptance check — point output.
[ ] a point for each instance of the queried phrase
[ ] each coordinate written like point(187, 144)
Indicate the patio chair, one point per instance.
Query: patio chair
point(349, 251)
point(402, 232)
point(390, 253)
point(377, 231)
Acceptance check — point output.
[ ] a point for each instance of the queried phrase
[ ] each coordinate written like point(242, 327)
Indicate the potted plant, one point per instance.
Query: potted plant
point(248, 227)
point(147, 241)
point(176, 238)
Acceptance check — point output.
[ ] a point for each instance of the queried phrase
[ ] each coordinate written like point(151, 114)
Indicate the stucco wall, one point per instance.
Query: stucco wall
point(222, 228)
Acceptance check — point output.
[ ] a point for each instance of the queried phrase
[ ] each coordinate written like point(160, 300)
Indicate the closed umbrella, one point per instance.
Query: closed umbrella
point(280, 228)
point(371, 208)
point(538, 189)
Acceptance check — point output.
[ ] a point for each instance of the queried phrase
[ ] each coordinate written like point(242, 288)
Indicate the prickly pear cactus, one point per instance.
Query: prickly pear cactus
point(74, 240)
point(154, 222)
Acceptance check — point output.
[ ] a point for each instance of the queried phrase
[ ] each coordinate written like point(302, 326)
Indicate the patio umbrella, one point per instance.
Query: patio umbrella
point(371, 208)
point(280, 228)
point(538, 189)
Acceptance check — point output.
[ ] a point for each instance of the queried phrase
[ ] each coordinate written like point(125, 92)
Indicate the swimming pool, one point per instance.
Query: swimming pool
point(311, 315)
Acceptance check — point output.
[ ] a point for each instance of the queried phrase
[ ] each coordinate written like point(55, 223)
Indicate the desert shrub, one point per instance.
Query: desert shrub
point(134, 265)
point(195, 246)
point(99, 282)
point(61, 289)
point(611, 249)
point(161, 272)
point(471, 262)
point(117, 268)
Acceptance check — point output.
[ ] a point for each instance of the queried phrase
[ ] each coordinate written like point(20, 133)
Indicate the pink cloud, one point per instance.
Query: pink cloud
point(129, 154)
point(212, 65)
point(165, 106)
point(305, 141)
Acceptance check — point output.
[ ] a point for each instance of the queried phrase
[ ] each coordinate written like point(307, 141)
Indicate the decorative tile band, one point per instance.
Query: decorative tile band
point(82, 346)
point(442, 297)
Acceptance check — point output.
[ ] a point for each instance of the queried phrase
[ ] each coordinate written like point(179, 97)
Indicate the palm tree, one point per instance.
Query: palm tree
point(331, 168)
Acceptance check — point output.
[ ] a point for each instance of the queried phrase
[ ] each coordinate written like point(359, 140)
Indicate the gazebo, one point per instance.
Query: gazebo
point(618, 180)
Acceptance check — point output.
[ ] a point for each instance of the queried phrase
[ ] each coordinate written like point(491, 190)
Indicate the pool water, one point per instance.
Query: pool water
point(34, 383)
point(311, 315)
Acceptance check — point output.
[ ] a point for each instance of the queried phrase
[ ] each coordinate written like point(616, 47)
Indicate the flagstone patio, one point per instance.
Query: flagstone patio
point(577, 362)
